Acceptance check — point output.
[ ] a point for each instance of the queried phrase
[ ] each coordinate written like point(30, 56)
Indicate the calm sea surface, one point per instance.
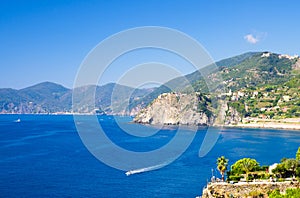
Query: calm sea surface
point(43, 156)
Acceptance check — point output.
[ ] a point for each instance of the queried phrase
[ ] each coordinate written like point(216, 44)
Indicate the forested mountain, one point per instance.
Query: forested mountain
point(50, 97)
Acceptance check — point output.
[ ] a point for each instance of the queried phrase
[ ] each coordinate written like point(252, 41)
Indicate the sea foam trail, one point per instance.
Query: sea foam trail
point(146, 169)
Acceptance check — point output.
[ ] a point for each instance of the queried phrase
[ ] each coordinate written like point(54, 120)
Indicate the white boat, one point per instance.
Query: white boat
point(18, 120)
point(131, 172)
point(128, 173)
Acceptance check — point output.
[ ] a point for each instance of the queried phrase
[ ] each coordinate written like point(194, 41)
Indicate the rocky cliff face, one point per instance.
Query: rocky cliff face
point(176, 108)
point(232, 117)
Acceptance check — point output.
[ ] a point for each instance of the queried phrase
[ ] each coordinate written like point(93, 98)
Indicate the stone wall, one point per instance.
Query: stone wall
point(244, 189)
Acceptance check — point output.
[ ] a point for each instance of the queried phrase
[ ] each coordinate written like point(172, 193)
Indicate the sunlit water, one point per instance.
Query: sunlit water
point(43, 156)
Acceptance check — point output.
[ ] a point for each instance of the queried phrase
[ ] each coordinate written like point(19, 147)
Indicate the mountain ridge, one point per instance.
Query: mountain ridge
point(47, 97)
point(251, 69)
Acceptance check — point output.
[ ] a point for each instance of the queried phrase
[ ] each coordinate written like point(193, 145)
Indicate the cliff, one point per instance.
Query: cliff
point(177, 108)
point(243, 189)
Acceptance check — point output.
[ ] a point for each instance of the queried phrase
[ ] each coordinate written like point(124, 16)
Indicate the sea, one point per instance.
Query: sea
point(45, 156)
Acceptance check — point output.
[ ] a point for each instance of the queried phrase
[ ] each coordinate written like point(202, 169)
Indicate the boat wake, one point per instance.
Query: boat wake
point(18, 120)
point(142, 170)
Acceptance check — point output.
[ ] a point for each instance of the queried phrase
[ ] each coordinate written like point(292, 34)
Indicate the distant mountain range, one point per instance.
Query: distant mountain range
point(249, 70)
point(48, 97)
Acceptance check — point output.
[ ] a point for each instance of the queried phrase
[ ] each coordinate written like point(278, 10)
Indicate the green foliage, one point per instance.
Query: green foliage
point(270, 101)
point(298, 154)
point(280, 170)
point(292, 192)
point(247, 70)
point(233, 61)
point(298, 172)
point(290, 164)
point(275, 194)
point(287, 168)
point(289, 193)
point(294, 82)
point(256, 194)
point(239, 106)
point(203, 105)
point(281, 180)
point(245, 165)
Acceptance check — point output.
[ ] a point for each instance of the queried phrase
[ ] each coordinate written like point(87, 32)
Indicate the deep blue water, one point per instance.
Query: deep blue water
point(43, 156)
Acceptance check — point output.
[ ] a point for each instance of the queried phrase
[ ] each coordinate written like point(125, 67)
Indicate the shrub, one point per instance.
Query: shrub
point(289, 193)
point(275, 194)
point(293, 192)
point(256, 194)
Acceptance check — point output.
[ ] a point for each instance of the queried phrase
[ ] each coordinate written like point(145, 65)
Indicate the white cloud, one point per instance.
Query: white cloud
point(251, 38)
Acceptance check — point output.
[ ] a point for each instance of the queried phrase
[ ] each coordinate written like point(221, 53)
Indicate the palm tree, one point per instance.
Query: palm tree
point(222, 163)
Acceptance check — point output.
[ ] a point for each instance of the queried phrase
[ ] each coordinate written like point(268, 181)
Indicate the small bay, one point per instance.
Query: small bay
point(43, 156)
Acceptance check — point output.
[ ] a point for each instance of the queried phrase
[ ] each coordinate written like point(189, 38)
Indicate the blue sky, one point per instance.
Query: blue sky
point(47, 40)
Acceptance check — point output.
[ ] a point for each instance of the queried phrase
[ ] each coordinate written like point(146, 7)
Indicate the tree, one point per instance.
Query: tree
point(291, 165)
point(280, 170)
point(298, 154)
point(287, 168)
point(222, 164)
point(246, 165)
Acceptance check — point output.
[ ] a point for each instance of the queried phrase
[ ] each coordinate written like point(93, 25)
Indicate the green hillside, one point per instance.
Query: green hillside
point(269, 101)
point(182, 84)
point(256, 70)
point(258, 85)
point(246, 70)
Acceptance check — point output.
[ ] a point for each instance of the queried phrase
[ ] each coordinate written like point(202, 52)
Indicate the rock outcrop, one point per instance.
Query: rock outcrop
point(233, 117)
point(176, 109)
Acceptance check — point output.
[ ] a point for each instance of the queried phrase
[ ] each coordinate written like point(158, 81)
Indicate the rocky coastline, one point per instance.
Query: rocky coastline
point(192, 109)
point(176, 109)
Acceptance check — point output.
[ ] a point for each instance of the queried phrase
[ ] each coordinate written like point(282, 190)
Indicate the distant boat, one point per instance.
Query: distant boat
point(18, 120)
